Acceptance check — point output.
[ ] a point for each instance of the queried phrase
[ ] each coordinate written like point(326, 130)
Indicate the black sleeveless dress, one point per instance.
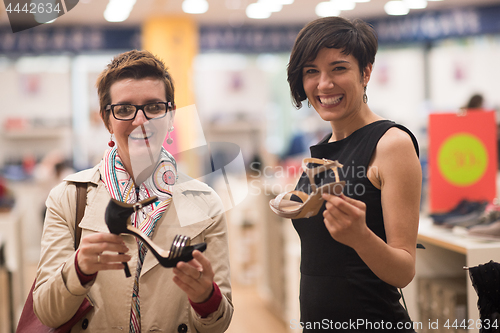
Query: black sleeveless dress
point(338, 292)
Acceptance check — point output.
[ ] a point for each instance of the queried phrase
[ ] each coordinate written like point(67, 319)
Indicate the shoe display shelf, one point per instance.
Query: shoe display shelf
point(277, 259)
point(444, 257)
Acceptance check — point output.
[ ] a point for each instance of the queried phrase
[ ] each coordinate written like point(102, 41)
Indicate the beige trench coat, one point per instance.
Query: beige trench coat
point(164, 306)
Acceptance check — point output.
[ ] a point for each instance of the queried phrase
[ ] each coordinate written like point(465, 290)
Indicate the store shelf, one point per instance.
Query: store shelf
point(35, 133)
point(447, 239)
point(234, 127)
point(446, 254)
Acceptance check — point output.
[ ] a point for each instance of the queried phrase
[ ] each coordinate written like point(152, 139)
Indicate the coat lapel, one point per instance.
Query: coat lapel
point(170, 225)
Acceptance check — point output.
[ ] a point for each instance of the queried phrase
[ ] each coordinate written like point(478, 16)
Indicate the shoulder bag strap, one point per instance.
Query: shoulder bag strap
point(81, 201)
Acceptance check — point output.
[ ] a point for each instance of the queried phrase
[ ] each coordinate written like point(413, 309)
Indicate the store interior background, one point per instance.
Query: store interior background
point(49, 115)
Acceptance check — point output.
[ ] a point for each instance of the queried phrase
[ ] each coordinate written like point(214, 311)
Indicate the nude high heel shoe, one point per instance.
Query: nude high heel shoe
point(311, 204)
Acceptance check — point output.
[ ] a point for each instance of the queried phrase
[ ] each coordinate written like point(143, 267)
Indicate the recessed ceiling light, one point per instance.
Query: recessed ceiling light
point(416, 4)
point(344, 4)
point(118, 10)
point(327, 8)
point(195, 6)
point(361, 0)
point(396, 7)
point(257, 11)
point(270, 5)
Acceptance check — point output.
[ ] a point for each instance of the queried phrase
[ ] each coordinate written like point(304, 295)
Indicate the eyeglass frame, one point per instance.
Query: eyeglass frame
point(110, 107)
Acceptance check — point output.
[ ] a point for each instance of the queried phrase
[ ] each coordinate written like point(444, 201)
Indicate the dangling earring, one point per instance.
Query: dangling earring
point(111, 143)
point(308, 104)
point(365, 97)
point(169, 139)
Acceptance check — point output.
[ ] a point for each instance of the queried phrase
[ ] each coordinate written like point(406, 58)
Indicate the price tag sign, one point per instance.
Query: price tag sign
point(462, 158)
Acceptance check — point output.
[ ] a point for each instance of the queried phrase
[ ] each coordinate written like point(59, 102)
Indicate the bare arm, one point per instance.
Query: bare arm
point(400, 178)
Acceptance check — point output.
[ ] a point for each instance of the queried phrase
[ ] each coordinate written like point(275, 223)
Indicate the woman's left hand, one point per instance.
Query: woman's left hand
point(195, 277)
point(345, 219)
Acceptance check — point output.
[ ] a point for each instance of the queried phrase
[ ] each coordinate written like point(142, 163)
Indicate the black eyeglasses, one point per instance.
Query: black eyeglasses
point(129, 111)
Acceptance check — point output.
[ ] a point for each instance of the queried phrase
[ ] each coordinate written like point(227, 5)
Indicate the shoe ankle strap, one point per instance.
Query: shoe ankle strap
point(324, 166)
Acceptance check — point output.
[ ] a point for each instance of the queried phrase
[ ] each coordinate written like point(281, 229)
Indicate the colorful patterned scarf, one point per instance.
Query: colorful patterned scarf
point(121, 187)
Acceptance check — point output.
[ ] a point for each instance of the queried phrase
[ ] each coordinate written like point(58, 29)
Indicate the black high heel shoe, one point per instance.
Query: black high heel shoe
point(117, 218)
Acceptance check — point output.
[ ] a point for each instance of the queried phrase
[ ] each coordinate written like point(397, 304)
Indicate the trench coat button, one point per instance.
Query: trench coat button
point(182, 328)
point(85, 323)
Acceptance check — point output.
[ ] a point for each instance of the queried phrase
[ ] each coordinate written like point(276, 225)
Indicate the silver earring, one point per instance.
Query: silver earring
point(365, 97)
point(308, 104)
point(169, 139)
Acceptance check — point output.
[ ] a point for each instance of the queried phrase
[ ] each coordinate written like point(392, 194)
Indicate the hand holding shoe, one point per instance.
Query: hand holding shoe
point(91, 258)
point(195, 277)
point(345, 219)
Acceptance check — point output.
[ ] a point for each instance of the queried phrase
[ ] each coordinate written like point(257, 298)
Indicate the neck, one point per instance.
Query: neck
point(342, 128)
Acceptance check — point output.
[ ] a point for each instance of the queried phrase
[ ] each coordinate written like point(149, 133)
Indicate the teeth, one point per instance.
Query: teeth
point(140, 137)
point(330, 100)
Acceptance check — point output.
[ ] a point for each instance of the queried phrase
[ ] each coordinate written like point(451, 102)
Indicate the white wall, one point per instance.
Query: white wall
point(38, 90)
point(396, 88)
point(461, 68)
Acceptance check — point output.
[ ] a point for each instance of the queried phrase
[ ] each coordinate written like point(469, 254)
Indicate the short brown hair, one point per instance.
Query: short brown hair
point(352, 37)
point(131, 65)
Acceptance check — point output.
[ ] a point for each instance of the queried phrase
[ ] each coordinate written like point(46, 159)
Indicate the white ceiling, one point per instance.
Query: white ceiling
point(223, 12)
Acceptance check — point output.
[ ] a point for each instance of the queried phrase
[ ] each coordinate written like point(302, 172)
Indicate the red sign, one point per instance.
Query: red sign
point(462, 158)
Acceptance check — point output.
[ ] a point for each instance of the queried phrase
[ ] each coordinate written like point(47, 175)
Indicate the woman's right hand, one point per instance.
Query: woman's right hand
point(91, 258)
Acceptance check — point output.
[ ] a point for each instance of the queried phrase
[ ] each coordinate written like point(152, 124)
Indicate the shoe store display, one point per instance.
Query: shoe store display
point(490, 214)
point(487, 231)
point(465, 212)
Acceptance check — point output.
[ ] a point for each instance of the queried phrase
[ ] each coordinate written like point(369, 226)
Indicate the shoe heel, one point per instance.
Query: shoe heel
point(117, 217)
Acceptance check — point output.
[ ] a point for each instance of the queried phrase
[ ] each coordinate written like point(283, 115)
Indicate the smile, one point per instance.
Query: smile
point(330, 101)
point(137, 135)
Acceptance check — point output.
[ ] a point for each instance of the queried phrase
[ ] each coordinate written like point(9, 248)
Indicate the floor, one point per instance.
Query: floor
point(251, 314)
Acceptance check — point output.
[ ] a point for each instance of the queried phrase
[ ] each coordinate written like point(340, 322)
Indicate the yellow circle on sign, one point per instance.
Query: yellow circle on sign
point(462, 159)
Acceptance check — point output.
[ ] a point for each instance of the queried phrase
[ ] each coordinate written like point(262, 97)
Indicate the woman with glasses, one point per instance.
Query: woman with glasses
point(136, 95)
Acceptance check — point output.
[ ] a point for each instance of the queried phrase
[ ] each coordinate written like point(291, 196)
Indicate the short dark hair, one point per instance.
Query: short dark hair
point(475, 102)
point(131, 65)
point(354, 37)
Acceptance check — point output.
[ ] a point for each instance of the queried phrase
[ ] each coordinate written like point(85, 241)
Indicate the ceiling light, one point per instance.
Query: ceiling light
point(396, 8)
point(195, 6)
point(361, 0)
point(118, 10)
point(344, 4)
point(270, 5)
point(257, 11)
point(416, 4)
point(327, 8)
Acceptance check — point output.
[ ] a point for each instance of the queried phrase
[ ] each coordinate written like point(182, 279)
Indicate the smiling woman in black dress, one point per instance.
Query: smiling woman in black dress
point(361, 246)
